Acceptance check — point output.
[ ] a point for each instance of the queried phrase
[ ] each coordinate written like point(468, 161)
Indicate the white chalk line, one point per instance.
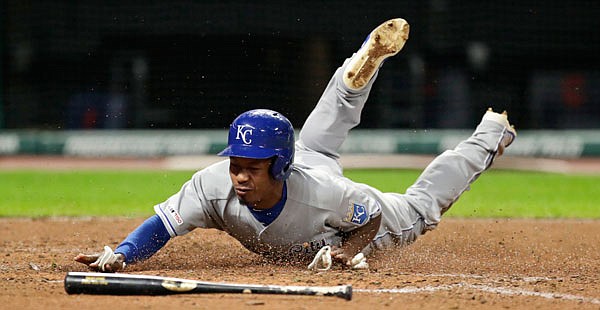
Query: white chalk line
point(484, 288)
point(474, 276)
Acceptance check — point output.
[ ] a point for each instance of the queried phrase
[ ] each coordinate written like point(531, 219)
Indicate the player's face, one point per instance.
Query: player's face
point(252, 182)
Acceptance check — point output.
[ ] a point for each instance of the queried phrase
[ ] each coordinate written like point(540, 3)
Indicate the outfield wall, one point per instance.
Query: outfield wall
point(161, 143)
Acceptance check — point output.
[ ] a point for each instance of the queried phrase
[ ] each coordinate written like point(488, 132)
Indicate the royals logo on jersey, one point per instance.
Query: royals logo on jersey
point(356, 214)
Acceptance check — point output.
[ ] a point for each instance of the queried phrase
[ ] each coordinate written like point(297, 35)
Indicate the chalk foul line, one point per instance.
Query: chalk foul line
point(484, 288)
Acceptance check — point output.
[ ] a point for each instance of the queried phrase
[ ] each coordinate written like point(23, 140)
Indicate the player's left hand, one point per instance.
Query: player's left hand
point(324, 258)
point(339, 254)
point(358, 261)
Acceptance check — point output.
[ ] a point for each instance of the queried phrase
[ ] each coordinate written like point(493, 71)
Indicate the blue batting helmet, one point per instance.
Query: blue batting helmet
point(263, 134)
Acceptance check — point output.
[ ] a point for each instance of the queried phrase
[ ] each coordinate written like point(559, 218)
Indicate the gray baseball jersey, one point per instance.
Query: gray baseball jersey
point(318, 208)
point(321, 203)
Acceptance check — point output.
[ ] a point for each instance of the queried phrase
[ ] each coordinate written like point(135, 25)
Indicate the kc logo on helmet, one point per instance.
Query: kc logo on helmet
point(244, 133)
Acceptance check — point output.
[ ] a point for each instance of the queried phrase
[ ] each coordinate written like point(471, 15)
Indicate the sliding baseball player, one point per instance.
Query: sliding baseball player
point(286, 198)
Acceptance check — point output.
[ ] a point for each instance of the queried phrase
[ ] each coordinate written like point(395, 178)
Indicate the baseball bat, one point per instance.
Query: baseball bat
point(128, 284)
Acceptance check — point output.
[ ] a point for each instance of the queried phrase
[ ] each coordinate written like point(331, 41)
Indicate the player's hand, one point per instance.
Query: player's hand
point(105, 261)
point(324, 259)
point(339, 254)
point(350, 252)
point(358, 261)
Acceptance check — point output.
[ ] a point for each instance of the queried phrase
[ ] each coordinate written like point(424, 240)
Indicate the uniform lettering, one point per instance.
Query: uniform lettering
point(308, 247)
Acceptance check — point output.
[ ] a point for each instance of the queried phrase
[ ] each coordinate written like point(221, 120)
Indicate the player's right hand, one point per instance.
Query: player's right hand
point(105, 261)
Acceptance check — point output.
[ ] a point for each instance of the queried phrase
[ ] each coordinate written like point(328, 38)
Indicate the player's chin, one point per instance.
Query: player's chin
point(243, 200)
point(250, 202)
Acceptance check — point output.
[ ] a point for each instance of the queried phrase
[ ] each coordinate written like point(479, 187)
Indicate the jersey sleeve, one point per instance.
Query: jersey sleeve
point(354, 209)
point(191, 207)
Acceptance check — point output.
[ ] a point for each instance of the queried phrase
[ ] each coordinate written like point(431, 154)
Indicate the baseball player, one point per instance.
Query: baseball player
point(288, 200)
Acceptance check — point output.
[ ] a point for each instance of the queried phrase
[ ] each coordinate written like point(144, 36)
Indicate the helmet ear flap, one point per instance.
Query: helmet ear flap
point(281, 167)
point(272, 168)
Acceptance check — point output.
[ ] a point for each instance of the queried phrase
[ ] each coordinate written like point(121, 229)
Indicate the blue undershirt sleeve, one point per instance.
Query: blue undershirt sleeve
point(144, 241)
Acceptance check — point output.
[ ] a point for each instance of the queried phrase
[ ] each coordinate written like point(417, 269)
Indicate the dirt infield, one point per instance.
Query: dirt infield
point(464, 264)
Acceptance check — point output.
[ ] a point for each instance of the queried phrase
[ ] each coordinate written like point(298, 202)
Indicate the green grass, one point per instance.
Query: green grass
point(134, 193)
point(508, 193)
point(81, 193)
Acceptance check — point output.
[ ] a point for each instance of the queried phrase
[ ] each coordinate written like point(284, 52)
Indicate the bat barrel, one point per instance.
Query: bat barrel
point(126, 284)
point(105, 284)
